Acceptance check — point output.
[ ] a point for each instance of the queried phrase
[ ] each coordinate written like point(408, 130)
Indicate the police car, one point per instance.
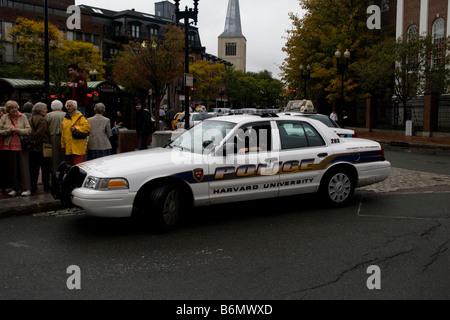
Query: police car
point(221, 160)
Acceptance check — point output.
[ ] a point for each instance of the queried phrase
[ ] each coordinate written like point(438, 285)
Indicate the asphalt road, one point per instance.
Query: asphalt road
point(282, 249)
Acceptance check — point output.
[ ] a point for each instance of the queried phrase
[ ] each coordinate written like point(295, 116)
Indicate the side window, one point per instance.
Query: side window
point(314, 138)
point(295, 135)
point(253, 137)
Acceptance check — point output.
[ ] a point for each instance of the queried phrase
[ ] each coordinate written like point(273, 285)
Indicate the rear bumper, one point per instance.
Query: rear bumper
point(373, 172)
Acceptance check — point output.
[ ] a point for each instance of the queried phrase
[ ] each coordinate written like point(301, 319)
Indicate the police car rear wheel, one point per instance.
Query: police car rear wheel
point(338, 187)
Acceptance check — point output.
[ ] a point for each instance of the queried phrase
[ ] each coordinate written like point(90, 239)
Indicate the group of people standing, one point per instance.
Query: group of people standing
point(24, 139)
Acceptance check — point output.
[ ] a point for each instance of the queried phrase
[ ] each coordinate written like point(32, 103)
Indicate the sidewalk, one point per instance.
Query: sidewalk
point(42, 201)
point(397, 139)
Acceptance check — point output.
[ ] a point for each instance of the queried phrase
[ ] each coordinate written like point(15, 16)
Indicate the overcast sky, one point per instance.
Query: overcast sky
point(264, 24)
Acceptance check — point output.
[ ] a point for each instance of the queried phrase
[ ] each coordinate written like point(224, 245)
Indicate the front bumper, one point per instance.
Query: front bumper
point(115, 204)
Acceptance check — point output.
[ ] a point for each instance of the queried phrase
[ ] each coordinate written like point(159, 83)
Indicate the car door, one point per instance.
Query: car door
point(302, 151)
point(248, 170)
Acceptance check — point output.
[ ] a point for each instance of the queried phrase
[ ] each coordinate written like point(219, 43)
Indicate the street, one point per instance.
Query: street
point(284, 249)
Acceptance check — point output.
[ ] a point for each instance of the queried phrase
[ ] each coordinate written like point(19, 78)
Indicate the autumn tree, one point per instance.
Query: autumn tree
point(208, 80)
point(28, 36)
point(327, 25)
point(152, 65)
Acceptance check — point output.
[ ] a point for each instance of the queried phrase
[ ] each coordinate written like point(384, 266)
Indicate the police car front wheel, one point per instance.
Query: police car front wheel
point(166, 207)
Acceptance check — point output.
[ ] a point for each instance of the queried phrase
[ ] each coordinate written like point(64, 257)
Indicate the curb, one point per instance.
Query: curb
point(30, 208)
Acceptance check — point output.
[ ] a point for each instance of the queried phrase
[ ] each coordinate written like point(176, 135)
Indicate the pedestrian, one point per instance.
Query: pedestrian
point(169, 117)
point(55, 119)
point(41, 134)
point(13, 126)
point(74, 120)
point(5, 179)
point(119, 122)
point(334, 116)
point(98, 143)
point(79, 88)
point(144, 125)
point(27, 108)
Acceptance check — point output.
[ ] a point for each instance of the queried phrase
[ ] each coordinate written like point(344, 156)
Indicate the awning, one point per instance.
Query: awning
point(22, 83)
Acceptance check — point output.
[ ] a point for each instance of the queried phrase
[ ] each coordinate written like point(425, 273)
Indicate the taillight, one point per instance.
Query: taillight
point(382, 152)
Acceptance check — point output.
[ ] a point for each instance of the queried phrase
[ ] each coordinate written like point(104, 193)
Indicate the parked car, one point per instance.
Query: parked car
point(221, 160)
point(195, 118)
point(341, 132)
point(179, 117)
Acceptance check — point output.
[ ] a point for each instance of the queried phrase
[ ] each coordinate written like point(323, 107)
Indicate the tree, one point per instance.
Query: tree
point(252, 89)
point(208, 80)
point(151, 65)
point(28, 36)
point(313, 39)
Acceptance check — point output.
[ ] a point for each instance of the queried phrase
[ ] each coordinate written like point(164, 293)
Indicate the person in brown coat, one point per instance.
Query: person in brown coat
point(41, 135)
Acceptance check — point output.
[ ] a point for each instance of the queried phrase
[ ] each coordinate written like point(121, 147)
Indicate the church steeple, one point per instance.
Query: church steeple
point(232, 43)
point(233, 28)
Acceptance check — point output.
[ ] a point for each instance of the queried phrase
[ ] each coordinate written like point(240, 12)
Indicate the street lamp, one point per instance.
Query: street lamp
point(93, 75)
point(305, 76)
point(46, 57)
point(342, 66)
point(187, 14)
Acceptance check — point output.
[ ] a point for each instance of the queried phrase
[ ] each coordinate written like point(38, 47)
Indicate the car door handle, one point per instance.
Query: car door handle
point(322, 155)
point(270, 160)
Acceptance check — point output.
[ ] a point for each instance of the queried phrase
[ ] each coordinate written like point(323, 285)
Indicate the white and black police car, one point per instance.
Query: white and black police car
point(224, 159)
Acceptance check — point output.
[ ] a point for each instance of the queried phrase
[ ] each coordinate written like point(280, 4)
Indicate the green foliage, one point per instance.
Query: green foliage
point(253, 90)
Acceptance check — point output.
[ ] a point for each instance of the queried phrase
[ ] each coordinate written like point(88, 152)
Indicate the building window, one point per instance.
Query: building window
point(135, 31)
point(438, 34)
point(412, 33)
point(117, 30)
point(153, 31)
point(230, 49)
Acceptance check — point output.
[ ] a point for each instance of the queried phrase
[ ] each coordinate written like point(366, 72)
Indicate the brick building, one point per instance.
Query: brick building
point(425, 18)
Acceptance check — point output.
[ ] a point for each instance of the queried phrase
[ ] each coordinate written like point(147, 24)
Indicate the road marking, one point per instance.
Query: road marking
point(359, 214)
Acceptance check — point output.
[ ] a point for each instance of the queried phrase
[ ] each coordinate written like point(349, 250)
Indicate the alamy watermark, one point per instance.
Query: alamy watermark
point(74, 21)
point(374, 280)
point(74, 280)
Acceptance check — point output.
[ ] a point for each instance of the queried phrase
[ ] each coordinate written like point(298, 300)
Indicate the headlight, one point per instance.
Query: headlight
point(105, 184)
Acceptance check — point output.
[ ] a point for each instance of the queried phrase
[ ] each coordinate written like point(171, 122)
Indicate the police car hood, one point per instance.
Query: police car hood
point(137, 162)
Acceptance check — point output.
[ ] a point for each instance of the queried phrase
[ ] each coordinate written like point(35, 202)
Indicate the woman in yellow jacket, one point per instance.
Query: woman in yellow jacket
point(75, 149)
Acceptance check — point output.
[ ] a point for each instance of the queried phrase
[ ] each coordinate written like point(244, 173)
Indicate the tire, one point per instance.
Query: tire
point(338, 187)
point(166, 205)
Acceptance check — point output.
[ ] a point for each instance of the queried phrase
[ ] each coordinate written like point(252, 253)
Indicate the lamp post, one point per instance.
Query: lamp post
point(305, 76)
point(46, 57)
point(93, 74)
point(187, 14)
point(342, 66)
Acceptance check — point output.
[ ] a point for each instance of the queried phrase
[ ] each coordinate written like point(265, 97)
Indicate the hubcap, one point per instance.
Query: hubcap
point(172, 207)
point(339, 187)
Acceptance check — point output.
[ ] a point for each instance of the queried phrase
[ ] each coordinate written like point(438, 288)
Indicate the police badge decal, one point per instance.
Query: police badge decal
point(198, 174)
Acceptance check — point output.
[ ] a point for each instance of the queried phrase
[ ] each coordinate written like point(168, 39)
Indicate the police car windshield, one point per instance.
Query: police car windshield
point(203, 136)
